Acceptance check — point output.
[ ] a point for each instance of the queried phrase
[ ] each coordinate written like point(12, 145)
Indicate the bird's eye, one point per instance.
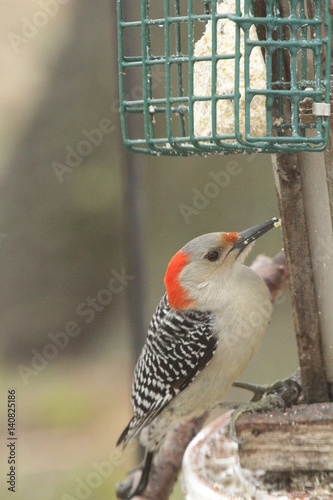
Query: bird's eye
point(213, 255)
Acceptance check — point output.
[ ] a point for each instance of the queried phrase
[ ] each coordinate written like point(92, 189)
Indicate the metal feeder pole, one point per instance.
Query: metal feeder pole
point(133, 239)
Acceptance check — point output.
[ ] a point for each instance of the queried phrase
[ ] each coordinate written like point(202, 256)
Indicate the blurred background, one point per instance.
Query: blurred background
point(67, 343)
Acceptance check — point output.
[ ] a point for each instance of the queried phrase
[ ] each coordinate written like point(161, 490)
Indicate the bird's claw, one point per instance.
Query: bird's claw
point(288, 389)
point(134, 484)
point(125, 487)
point(267, 403)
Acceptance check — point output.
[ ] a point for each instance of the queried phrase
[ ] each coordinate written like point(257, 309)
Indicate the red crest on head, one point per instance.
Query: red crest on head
point(177, 295)
point(230, 237)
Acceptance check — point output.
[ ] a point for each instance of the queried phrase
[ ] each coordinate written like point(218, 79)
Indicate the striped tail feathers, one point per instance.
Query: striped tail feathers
point(136, 424)
point(124, 437)
point(133, 428)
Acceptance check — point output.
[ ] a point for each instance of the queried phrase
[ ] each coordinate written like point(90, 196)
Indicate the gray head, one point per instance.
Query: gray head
point(207, 259)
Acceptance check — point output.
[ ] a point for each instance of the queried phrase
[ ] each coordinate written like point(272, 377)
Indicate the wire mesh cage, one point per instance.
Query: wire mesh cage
point(207, 76)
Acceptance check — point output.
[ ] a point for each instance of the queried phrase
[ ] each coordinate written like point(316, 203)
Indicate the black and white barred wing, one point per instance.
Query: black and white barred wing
point(179, 345)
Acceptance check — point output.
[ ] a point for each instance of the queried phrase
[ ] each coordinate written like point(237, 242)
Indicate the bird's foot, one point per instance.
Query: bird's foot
point(289, 389)
point(279, 394)
point(137, 480)
point(267, 403)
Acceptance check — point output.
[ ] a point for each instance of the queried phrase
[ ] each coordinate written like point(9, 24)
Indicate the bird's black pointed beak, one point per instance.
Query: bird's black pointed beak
point(253, 233)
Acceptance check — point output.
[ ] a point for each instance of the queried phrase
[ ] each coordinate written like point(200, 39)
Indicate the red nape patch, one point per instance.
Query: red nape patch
point(177, 295)
point(230, 237)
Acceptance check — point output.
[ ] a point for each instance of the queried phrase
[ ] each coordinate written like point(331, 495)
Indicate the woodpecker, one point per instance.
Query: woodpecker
point(205, 330)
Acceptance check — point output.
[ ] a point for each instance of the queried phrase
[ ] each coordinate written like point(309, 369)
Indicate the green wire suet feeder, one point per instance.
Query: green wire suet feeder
point(199, 77)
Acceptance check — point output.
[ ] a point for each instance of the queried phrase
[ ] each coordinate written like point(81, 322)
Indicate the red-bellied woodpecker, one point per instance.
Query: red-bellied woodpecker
point(205, 330)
